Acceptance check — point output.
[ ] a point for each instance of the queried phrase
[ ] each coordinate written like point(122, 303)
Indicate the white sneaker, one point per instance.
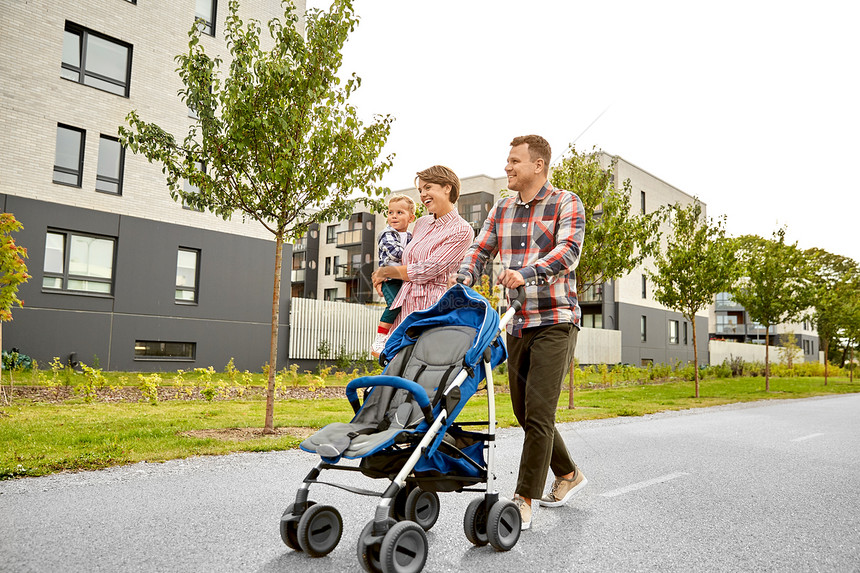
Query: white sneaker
point(378, 345)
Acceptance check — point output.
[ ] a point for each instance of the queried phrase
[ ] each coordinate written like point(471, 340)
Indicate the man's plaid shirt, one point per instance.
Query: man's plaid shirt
point(542, 240)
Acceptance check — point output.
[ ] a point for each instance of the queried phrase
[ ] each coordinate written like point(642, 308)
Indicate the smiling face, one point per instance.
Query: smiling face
point(400, 215)
point(435, 198)
point(525, 175)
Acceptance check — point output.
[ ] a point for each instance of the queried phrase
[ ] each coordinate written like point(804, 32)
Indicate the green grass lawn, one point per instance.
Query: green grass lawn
point(41, 438)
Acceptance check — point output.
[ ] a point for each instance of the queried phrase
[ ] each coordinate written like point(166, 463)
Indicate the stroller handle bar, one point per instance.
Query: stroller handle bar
point(395, 382)
point(517, 299)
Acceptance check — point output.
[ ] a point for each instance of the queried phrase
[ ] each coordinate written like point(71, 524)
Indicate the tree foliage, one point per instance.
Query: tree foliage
point(276, 138)
point(13, 273)
point(617, 240)
point(774, 285)
point(834, 282)
point(698, 262)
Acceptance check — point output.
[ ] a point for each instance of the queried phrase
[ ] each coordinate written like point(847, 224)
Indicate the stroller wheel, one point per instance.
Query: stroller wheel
point(404, 548)
point(422, 507)
point(503, 525)
point(398, 508)
point(290, 527)
point(475, 522)
point(368, 548)
point(319, 530)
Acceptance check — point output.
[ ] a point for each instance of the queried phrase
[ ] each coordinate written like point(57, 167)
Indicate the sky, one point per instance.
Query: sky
point(752, 106)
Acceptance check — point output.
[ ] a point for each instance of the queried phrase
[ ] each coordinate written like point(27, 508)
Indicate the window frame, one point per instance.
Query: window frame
point(209, 25)
point(83, 34)
point(644, 286)
point(673, 332)
point(196, 288)
point(169, 358)
point(118, 181)
point(65, 276)
point(329, 291)
point(331, 234)
point(81, 150)
point(643, 328)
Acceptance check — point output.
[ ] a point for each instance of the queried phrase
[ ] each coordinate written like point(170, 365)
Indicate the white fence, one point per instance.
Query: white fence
point(720, 350)
point(353, 327)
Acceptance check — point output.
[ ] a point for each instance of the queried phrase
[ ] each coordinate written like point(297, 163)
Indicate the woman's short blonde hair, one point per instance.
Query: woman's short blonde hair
point(405, 198)
point(441, 175)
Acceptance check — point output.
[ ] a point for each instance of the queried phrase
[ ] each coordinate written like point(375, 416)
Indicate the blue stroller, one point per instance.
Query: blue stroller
point(405, 431)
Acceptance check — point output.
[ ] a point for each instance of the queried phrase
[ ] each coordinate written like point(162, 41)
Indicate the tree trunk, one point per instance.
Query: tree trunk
point(2, 390)
point(767, 359)
point(571, 368)
point(826, 352)
point(695, 355)
point(269, 427)
point(851, 370)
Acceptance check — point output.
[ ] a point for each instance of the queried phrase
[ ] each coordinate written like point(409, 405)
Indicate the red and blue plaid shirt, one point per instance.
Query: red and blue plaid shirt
point(542, 240)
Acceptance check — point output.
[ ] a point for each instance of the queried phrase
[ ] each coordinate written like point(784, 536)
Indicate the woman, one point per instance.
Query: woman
point(439, 241)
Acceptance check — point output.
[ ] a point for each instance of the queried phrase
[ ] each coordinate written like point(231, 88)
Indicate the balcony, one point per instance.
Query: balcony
point(297, 275)
point(300, 245)
point(592, 293)
point(732, 329)
point(349, 238)
point(725, 302)
point(348, 272)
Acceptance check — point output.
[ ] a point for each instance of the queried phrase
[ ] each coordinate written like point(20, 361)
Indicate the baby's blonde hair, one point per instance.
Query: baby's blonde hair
point(405, 198)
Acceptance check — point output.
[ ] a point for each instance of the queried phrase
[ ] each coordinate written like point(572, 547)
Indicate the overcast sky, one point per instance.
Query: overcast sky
point(752, 106)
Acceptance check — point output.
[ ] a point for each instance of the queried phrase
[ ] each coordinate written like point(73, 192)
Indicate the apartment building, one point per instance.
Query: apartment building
point(121, 273)
point(731, 322)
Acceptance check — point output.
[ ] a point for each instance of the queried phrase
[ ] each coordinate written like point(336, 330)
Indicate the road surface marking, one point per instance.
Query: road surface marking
point(640, 485)
point(801, 438)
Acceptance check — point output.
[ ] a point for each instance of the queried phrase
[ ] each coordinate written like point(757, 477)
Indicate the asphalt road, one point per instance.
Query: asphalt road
point(769, 486)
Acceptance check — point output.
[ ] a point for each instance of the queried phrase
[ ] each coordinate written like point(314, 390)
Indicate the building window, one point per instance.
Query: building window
point(157, 350)
point(685, 332)
point(642, 200)
point(189, 187)
point(78, 263)
point(95, 60)
point(590, 320)
point(330, 294)
point(204, 15)
point(187, 273)
point(644, 286)
point(673, 332)
point(331, 234)
point(110, 168)
point(69, 155)
point(327, 266)
point(643, 328)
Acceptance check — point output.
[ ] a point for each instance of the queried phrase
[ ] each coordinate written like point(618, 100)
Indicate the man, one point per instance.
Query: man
point(538, 236)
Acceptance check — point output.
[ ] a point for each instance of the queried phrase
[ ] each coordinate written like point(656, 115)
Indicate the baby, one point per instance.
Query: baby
point(392, 240)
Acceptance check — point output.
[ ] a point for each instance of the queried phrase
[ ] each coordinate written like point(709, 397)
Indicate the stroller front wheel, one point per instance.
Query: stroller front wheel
point(404, 548)
point(319, 530)
point(368, 548)
point(503, 525)
point(290, 527)
point(422, 507)
point(475, 522)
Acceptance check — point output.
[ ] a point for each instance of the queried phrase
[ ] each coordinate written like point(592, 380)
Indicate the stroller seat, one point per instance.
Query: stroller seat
point(393, 407)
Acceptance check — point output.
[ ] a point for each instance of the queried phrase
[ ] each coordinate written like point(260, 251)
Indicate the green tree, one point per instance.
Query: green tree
point(617, 239)
point(698, 262)
point(774, 285)
point(276, 140)
point(13, 273)
point(834, 291)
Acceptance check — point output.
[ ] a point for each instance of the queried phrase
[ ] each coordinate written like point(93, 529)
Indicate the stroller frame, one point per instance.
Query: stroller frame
point(394, 540)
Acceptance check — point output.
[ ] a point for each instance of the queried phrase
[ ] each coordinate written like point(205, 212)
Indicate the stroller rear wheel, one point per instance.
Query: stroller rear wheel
point(290, 527)
point(368, 548)
point(422, 507)
point(475, 522)
point(503, 525)
point(404, 548)
point(319, 530)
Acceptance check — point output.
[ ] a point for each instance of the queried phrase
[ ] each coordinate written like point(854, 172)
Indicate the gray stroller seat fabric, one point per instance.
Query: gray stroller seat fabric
point(433, 361)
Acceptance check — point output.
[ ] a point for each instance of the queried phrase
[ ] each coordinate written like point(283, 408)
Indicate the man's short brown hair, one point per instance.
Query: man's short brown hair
point(404, 198)
point(441, 175)
point(538, 148)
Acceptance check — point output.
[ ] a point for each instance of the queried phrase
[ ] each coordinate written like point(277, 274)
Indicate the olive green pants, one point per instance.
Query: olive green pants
point(537, 364)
